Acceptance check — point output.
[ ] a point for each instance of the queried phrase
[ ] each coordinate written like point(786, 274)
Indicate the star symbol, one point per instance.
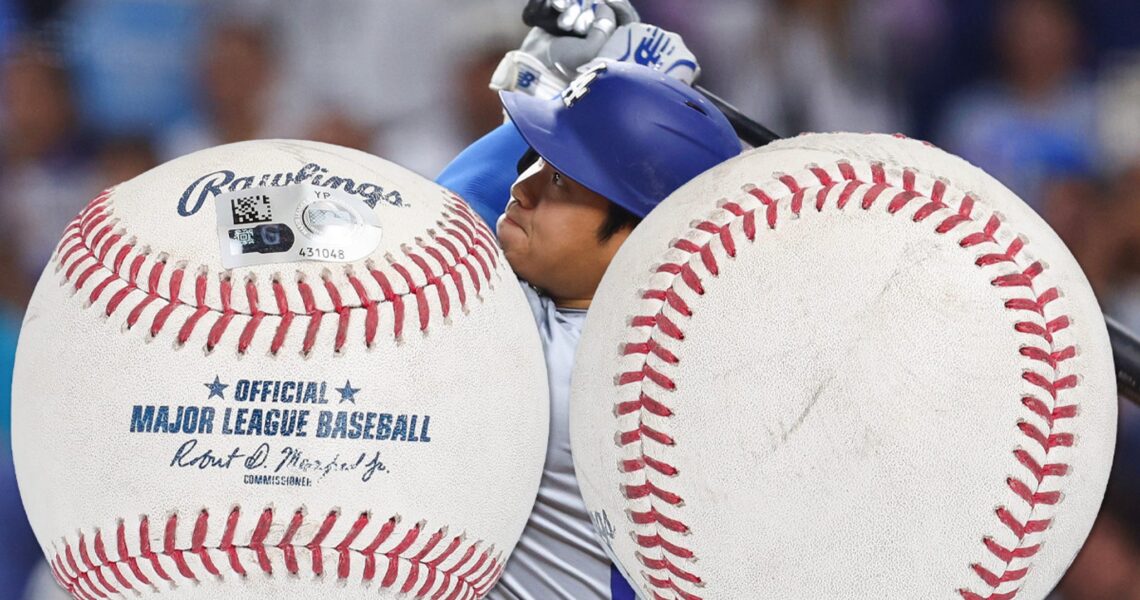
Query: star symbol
point(347, 393)
point(217, 388)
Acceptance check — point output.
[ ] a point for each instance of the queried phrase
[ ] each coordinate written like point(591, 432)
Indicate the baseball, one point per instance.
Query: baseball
point(844, 366)
point(278, 369)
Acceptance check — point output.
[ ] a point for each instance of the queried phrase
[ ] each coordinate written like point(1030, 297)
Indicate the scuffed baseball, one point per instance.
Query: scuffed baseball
point(844, 366)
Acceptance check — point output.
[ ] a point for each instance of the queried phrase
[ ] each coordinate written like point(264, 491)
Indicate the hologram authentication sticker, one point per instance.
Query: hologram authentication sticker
point(294, 223)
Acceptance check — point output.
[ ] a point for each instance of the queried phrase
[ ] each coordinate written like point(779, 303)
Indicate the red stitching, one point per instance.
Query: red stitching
point(371, 314)
point(99, 576)
point(671, 576)
point(418, 292)
point(214, 337)
point(92, 254)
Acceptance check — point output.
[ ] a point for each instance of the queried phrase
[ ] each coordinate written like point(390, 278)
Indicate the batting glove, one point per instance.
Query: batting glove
point(653, 47)
point(574, 17)
point(545, 63)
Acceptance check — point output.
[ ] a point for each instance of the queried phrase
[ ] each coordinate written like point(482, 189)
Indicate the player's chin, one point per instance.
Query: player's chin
point(512, 238)
point(519, 260)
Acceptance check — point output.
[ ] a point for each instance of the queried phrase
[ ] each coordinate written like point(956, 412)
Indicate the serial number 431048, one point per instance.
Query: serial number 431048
point(311, 252)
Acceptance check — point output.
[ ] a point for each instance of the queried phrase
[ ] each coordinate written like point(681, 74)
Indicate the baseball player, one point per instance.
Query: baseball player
point(596, 157)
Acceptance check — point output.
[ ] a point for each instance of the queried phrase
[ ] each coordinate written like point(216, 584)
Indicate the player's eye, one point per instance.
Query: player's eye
point(556, 178)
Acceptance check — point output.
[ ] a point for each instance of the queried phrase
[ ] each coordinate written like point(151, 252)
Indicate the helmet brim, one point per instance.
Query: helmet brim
point(536, 120)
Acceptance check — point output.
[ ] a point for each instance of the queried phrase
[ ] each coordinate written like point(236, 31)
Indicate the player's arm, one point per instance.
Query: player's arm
point(483, 173)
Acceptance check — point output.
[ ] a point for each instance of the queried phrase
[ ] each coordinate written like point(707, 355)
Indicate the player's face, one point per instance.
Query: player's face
point(549, 234)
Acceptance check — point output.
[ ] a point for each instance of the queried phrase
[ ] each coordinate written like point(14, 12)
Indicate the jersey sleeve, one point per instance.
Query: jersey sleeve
point(483, 173)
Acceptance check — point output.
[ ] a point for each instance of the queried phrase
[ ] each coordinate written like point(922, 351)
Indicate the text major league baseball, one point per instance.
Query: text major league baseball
point(298, 421)
point(284, 410)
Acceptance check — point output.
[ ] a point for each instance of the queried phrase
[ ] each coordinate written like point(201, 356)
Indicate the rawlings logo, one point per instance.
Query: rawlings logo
point(218, 182)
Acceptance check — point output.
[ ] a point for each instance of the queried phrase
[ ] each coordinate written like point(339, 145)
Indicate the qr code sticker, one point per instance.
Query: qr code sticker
point(251, 209)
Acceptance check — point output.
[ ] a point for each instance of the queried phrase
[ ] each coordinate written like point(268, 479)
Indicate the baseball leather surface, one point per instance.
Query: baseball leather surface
point(844, 366)
point(313, 429)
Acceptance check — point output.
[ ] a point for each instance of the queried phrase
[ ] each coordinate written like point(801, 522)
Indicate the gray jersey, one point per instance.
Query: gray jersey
point(558, 556)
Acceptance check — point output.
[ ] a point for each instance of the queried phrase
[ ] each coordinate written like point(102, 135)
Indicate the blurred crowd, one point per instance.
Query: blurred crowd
point(1043, 94)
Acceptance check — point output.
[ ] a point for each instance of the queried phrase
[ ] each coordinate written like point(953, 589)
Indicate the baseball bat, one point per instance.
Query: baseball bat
point(1126, 356)
point(753, 133)
point(1125, 344)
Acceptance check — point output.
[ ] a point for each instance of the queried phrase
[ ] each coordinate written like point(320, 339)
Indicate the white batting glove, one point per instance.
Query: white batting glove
point(577, 15)
point(533, 68)
point(654, 47)
point(574, 17)
point(546, 63)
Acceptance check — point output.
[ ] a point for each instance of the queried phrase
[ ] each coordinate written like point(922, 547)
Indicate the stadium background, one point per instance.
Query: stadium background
point(1044, 94)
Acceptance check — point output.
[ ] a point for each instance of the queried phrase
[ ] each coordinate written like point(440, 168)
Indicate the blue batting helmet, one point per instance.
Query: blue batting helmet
point(625, 131)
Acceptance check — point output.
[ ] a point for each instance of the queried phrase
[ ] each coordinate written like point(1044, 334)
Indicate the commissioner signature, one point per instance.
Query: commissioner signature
point(288, 459)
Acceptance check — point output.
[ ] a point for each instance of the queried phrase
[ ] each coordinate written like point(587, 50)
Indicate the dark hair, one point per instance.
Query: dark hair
point(617, 219)
point(528, 158)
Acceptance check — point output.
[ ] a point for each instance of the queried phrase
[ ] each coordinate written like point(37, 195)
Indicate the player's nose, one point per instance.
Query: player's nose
point(524, 192)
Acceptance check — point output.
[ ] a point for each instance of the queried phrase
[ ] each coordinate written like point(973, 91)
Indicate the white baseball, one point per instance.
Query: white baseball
point(844, 366)
point(415, 375)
